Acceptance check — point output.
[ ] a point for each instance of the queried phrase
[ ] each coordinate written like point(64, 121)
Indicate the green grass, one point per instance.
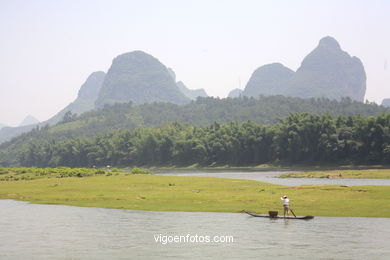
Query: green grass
point(23, 173)
point(347, 174)
point(175, 193)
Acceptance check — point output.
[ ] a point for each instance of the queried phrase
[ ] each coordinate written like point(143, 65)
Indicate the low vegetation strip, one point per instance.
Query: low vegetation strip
point(298, 139)
point(346, 174)
point(23, 173)
point(175, 193)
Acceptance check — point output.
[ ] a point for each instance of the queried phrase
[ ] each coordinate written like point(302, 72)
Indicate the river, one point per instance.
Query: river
point(33, 231)
point(272, 177)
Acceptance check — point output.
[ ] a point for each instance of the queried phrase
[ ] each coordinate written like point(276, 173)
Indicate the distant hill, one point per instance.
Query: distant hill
point(86, 97)
point(139, 78)
point(29, 120)
point(327, 71)
point(2, 125)
point(271, 79)
point(386, 102)
point(7, 132)
point(235, 93)
point(135, 77)
point(84, 102)
point(192, 94)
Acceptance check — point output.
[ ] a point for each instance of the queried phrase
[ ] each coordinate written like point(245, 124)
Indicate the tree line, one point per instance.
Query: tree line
point(200, 113)
point(299, 138)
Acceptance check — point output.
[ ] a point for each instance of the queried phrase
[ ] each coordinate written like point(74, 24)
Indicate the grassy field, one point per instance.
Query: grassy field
point(174, 193)
point(348, 174)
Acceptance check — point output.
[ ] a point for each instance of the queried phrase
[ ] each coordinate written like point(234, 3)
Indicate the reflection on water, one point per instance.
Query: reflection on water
point(272, 177)
point(29, 231)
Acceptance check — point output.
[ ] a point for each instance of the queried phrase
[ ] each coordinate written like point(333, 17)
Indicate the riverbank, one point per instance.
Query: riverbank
point(341, 173)
point(199, 194)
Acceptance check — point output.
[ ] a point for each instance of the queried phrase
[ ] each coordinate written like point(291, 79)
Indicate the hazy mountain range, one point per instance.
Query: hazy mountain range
point(235, 93)
point(135, 77)
point(86, 97)
point(139, 78)
point(386, 102)
point(29, 120)
point(327, 71)
point(192, 94)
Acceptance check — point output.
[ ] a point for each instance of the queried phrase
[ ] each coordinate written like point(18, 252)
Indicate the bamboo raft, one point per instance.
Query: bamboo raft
point(277, 217)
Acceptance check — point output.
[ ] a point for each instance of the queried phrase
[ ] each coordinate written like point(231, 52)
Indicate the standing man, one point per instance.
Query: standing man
point(286, 206)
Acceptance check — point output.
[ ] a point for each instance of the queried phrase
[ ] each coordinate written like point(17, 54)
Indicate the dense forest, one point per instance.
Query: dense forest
point(299, 138)
point(207, 110)
point(202, 112)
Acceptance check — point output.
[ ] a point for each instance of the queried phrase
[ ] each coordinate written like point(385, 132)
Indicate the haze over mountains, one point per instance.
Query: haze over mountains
point(84, 102)
point(86, 97)
point(135, 77)
point(386, 102)
point(235, 93)
point(327, 71)
point(192, 94)
point(139, 78)
point(29, 120)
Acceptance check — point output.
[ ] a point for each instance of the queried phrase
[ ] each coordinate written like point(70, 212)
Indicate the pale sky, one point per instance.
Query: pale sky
point(48, 48)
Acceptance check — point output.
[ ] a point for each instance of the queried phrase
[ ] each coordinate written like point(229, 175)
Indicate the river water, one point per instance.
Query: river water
point(33, 231)
point(272, 177)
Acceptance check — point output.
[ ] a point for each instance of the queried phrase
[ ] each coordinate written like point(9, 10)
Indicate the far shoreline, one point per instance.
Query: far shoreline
point(296, 171)
point(269, 167)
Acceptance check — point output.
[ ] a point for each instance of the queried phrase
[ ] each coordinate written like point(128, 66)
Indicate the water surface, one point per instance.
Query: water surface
point(32, 231)
point(272, 177)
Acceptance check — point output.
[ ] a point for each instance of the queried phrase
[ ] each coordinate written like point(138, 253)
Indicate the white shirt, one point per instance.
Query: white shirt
point(285, 201)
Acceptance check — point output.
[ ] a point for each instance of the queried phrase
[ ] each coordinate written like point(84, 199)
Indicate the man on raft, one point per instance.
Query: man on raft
point(286, 206)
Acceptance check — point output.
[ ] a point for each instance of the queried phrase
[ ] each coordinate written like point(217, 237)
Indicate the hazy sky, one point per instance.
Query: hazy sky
point(48, 48)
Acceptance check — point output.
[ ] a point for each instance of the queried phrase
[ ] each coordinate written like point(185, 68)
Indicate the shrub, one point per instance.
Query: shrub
point(3, 171)
point(100, 171)
point(139, 171)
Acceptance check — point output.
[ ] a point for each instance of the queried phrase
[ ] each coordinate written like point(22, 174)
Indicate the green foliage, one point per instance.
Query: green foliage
point(139, 171)
point(348, 174)
point(200, 113)
point(102, 137)
point(23, 173)
point(299, 138)
point(68, 117)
